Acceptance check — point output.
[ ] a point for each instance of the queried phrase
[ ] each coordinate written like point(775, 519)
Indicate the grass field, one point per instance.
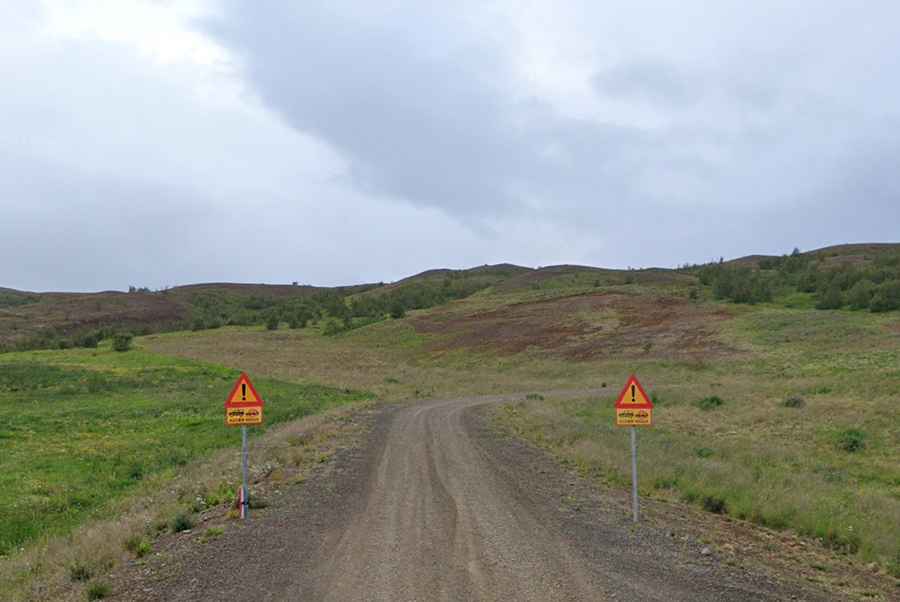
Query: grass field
point(807, 436)
point(80, 429)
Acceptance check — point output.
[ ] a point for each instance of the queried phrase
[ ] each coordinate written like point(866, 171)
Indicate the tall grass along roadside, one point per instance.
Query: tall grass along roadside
point(81, 428)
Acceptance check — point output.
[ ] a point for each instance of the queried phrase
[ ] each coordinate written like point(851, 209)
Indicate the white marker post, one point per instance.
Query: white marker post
point(634, 477)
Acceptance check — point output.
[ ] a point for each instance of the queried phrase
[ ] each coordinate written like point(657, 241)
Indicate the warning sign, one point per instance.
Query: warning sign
point(634, 408)
point(244, 405)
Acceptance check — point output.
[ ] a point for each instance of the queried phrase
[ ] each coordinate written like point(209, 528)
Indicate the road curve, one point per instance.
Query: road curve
point(437, 507)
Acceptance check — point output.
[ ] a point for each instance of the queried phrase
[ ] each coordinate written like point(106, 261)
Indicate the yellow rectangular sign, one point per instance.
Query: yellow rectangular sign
point(248, 415)
point(634, 417)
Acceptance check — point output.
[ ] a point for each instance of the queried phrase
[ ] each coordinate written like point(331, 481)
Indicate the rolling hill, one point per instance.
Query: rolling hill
point(40, 320)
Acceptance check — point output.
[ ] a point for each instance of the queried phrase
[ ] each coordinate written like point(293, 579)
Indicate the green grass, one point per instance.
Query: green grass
point(801, 433)
point(731, 433)
point(81, 428)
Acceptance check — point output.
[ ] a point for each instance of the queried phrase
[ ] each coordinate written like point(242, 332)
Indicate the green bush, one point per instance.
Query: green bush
point(860, 294)
point(272, 323)
point(332, 327)
point(894, 565)
point(78, 571)
point(398, 311)
point(122, 341)
point(886, 297)
point(181, 522)
point(794, 401)
point(710, 403)
point(89, 340)
point(714, 504)
point(851, 440)
point(138, 546)
point(98, 590)
point(831, 299)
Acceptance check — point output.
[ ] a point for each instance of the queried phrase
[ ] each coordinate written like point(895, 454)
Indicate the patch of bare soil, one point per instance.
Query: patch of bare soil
point(65, 314)
point(586, 327)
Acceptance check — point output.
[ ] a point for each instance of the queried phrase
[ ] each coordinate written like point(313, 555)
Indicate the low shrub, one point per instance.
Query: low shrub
point(78, 571)
point(398, 311)
point(894, 565)
point(714, 504)
point(89, 340)
point(851, 440)
point(98, 590)
point(122, 341)
point(710, 403)
point(665, 483)
point(703, 452)
point(844, 543)
point(794, 401)
point(332, 327)
point(138, 546)
point(181, 522)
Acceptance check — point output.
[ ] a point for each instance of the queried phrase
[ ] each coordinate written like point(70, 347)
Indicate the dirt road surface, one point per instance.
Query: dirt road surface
point(436, 506)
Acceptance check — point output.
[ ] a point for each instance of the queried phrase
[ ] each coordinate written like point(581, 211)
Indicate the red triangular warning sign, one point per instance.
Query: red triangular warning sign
point(243, 393)
point(633, 396)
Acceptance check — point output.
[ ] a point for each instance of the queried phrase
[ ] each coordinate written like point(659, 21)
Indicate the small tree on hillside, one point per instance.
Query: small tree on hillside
point(860, 295)
point(397, 310)
point(887, 297)
point(831, 298)
point(122, 341)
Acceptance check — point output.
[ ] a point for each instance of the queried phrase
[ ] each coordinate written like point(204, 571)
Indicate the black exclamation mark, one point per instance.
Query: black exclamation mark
point(632, 395)
point(244, 392)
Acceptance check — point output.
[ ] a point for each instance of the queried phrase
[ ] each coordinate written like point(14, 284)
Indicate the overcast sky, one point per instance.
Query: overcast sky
point(160, 143)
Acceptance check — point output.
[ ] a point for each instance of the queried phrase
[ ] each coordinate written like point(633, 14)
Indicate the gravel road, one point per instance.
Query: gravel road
point(436, 506)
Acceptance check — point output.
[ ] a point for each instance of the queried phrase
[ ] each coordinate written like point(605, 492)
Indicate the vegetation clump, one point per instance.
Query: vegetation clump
point(873, 285)
point(794, 401)
point(78, 571)
point(710, 403)
point(98, 591)
point(122, 341)
point(138, 546)
point(714, 504)
point(181, 522)
point(851, 440)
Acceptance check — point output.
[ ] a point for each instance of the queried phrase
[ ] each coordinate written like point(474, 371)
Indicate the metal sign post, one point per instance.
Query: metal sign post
point(634, 477)
point(243, 407)
point(634, 408)
point(245, 493)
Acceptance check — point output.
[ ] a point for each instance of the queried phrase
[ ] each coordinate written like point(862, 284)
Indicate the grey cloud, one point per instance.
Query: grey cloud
point(653, 82)
point(111, 174)
point(425, 114)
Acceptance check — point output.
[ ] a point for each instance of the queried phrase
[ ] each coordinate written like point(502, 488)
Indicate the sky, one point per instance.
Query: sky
point(157, 143)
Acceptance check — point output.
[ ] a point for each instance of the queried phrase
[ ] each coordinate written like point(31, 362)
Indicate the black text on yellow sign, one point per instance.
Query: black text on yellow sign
point(626, 417)
point(246, 415)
